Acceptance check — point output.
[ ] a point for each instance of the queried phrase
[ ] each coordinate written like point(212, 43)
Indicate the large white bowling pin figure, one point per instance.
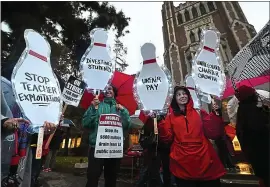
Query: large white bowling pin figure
point(153, 85)
point(190, 84)
point(96, 64)
point(36, 88)
point(207, 67)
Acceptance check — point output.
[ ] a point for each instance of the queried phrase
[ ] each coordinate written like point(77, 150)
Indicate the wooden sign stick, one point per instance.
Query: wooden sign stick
point(40, 142)
point(156, 131)
point(155, 126)
point(51, 136)
point(97, 96)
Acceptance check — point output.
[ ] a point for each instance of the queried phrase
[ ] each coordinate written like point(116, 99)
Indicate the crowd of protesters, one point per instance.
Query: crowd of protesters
point(182, 149)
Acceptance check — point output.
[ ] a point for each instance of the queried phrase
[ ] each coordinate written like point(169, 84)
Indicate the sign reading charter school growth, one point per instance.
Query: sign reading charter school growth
point(73, 91)
point(109, 143)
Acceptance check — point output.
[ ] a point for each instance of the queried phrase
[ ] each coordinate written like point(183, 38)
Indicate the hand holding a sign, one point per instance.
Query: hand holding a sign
point(95, 102)
point(13, 123)
point(49, 127)
point(119, 107)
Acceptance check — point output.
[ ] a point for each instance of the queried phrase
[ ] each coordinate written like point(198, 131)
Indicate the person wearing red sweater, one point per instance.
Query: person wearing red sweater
point(193, 159)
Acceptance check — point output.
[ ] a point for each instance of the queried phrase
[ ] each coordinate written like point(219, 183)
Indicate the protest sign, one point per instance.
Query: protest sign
point(73, 91)
point(207, 68)
point(36, 88)
point(97, 66)
point(109, 143)
point(153, 85)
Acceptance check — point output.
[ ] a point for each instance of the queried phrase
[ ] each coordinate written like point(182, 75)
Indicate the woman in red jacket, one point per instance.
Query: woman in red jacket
point(194, 161)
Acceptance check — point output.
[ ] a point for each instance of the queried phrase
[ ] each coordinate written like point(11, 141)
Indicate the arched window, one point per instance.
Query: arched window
point(211, 6)
point(202, 9)
point(194, 12)
point(199, 33)
point(179, 18)
point(189, 61)
point(187, 15)
point(192, 37)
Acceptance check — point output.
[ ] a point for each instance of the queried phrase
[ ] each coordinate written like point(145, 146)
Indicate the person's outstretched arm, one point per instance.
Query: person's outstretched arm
point(165, 130)
point(213, 125)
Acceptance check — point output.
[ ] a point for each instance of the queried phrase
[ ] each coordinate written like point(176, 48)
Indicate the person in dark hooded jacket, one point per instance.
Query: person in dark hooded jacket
point(156, 153)
point(252, 129)
point(194, 161)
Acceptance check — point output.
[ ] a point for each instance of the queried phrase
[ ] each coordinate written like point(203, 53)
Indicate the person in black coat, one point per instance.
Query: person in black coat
point(156, 154)
point(252, 130)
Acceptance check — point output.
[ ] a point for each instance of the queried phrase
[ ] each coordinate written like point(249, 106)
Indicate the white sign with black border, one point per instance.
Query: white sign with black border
point(73, 91)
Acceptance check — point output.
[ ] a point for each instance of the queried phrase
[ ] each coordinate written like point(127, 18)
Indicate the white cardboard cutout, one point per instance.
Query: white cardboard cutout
point(208, 72)
point(96, 64)
point(190, 84)
point(152, 83)
point(36, 88)
point(206, 98)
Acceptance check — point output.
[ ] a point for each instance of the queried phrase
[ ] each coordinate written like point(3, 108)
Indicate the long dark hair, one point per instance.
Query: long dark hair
point(174, 104)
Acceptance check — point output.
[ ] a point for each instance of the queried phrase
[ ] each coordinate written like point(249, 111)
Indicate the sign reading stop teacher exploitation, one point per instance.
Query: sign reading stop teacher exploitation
point(109, 143)
point(36, 87)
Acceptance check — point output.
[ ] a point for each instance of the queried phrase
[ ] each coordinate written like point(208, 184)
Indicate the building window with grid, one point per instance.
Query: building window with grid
point(202, 9)
point(199, 33)
point(192, 37)
point(189, 62)
point(211, 6)
point(194, 12)
point(179, 18)
point(187, 15)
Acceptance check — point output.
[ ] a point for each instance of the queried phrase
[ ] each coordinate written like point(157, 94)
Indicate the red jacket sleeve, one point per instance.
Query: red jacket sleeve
point(143, 117)
point(165, 130)
point(213, 125)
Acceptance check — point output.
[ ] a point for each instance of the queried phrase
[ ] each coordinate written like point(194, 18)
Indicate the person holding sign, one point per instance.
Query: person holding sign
point(252, 129)
point(156, 153)
point(224, 144)
point(100, 151)
point(9, 126)
point(194, 161)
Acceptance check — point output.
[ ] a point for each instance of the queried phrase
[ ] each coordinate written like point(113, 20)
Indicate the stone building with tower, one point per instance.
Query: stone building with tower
point(183, 24)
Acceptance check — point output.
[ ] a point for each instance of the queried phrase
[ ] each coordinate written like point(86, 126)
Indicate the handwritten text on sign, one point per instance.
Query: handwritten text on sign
point(109, 143)
point(99, 64)
point(38, 90)
point(208, 71)
point(152, 83)
point(73, 91)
